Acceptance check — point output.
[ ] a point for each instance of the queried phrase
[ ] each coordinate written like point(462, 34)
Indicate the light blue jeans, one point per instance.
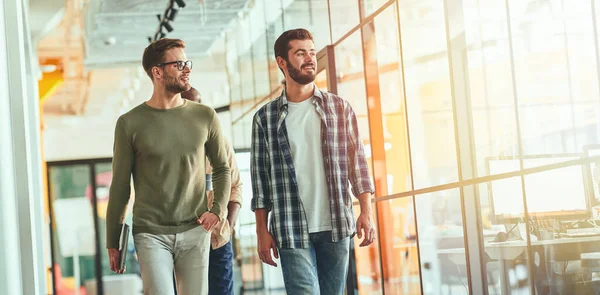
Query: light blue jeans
point(185, 253)
point(320, 269)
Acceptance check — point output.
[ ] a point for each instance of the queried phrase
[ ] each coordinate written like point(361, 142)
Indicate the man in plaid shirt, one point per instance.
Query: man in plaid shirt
point(305, 150)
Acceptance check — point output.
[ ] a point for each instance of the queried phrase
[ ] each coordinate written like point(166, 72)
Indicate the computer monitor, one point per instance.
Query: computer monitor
point(553, 194)
point(593, 172)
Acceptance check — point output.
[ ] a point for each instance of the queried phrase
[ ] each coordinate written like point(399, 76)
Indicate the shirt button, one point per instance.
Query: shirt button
point(326, 160)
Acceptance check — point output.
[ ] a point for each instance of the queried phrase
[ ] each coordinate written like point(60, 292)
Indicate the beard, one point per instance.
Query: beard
point(173, 85)
point(296, 74)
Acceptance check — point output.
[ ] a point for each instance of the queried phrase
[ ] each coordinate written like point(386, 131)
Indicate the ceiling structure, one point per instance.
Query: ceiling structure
point(60, 51)
point(74, 37)
point(117, 31)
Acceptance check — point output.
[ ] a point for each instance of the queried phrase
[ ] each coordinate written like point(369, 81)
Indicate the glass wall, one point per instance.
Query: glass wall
point(479, 119)
point(78, 230)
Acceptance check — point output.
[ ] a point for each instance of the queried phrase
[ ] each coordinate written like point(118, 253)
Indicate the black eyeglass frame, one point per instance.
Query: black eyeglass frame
point(181, 64)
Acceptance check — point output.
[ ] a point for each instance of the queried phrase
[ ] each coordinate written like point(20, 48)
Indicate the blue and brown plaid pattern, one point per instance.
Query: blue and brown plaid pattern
point(274, 184)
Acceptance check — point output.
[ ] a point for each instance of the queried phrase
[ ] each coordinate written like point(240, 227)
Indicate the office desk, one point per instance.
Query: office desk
point(510, 250)
point(550, 251)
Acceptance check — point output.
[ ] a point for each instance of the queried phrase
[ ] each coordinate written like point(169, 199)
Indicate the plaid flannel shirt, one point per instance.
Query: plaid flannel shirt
point(274, 184)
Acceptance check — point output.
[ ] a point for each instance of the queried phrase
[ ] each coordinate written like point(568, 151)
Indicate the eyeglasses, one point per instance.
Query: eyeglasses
point(180, 64)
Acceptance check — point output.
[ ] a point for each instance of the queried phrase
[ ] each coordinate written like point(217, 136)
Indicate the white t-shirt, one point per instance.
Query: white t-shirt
point(303, 125)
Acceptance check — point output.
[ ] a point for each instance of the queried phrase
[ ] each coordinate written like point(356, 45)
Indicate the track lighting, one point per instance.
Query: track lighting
point(172, 13)
point(168, 16)
point(167, 26)
point(180, 3)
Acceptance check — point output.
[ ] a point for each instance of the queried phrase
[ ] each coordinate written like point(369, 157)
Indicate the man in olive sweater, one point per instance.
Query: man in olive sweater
point(163, 144)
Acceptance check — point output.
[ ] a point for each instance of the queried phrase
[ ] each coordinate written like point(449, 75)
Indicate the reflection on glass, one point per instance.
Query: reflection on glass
point(252, 275)
point(344, 16)
point(312, 16)
point(351, 83)
point(504, 234)
point(368, 260)
point(428, 93)
point(260, 64)
point(392, 101)
point(441, 243)
point(351, 87)
point(72, 213)
point(398, 232)
point(401, 262)
point(370, 6)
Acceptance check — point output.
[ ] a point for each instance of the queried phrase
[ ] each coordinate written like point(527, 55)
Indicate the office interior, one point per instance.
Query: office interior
point(480, 120)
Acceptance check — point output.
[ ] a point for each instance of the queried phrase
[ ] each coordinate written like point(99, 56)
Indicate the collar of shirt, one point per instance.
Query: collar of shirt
point(283, 102)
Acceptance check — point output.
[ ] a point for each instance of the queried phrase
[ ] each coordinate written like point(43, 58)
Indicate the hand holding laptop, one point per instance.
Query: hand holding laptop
point(114, 256)
point(118, 256)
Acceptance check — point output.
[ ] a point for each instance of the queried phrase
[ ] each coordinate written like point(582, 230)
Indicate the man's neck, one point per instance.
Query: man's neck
point(297, 92)
point(165, 100)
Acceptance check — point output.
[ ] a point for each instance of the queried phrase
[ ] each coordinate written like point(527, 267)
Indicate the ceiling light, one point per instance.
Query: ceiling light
point(167, 26)
point(48, 68)
point(158, 36)
point(180, 3)
point(172, 13)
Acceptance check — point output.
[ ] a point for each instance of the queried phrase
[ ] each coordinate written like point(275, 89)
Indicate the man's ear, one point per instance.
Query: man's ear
point(281, 62)
point(156, 72)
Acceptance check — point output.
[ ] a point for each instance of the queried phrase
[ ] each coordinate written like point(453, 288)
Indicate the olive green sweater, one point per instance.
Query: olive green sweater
point(164, 151)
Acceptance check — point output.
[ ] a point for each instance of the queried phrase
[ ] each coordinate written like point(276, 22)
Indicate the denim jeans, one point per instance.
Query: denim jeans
point(220, 271)
point(320, 269)
point(185, 253)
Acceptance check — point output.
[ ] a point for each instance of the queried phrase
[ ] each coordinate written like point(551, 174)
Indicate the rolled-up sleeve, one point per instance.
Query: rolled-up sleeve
point(358, 169)
point(236, 182)
point(260, 167)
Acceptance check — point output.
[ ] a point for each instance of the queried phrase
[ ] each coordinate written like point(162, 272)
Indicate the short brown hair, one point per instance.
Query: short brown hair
point(155, 53)
point(282, 44)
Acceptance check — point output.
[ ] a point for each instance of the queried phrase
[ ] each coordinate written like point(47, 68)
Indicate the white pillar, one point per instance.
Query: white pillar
point(20, 178)
point(10, 264)
point(32, 75)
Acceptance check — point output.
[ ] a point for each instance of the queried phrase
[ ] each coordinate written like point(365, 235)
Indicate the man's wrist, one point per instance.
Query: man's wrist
point(261, 231)
point(215, 214)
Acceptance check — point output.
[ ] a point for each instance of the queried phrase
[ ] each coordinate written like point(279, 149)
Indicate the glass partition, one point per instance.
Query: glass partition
point(72, 228)
point(466, 90)
point(79, 230)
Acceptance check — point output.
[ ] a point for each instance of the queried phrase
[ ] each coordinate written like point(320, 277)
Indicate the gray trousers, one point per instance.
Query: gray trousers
point(184, 253)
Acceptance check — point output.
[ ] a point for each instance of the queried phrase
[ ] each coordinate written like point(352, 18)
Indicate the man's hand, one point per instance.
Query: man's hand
point(231, 222)
point(208, 220)
point(233, 210)
point(365, 224)
point(266, 243)
point(113, 256)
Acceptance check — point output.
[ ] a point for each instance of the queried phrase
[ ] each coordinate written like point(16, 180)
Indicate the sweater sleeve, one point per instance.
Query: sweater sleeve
point(216, 152)
point(120, 188)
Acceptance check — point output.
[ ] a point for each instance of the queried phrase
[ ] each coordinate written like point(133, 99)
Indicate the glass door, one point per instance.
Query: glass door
point(78, 198)
point(326, 75)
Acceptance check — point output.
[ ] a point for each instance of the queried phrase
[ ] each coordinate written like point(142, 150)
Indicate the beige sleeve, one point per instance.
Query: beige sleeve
point(236, 182)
